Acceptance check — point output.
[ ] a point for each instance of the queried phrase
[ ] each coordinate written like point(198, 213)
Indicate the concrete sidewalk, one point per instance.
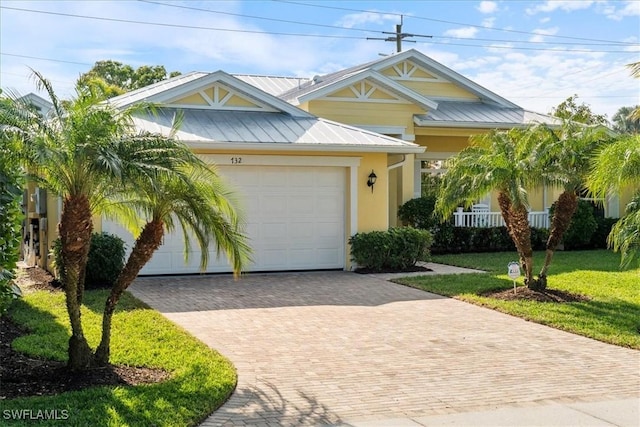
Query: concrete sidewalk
point(610, 413)
point(339, 348)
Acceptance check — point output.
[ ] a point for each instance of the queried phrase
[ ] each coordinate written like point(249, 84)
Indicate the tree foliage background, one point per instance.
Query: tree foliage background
point(115, 78)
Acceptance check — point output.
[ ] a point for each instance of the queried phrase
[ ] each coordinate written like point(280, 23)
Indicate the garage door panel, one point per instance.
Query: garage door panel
point(301, 205)
point(295, 219)
point(272, 205)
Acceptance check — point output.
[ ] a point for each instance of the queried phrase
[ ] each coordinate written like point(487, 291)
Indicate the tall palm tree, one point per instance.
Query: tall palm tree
point(499, 160)
point(199, 204)
point(615, 168)
point(563, 156)
point(84, 151)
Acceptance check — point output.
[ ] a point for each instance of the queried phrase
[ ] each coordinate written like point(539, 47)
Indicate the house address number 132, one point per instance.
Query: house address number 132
point(236, 160)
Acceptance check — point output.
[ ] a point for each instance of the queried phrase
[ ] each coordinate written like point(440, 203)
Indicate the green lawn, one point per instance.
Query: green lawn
point(201, 379)
point(611, 315)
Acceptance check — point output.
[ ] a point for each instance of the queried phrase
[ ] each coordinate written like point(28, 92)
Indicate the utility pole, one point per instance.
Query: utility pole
point(398, 36)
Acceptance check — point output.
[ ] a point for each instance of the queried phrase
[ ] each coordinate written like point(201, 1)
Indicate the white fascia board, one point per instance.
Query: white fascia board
point(382, 80)
point(254, 146)
point(444, 71)
point(276, 160)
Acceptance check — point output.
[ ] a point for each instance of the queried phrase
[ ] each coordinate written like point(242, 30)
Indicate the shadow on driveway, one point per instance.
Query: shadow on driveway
point(270, 290)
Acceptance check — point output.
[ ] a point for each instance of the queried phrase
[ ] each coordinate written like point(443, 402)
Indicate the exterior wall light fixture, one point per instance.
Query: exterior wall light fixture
point(372, 180)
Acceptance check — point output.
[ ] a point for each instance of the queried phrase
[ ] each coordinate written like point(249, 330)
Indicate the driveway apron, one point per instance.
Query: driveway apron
point(336, 347)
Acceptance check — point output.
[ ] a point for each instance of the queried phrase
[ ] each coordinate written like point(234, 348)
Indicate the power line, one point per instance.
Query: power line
point(286, 21)
point(99, 18)
point(43, 59)
point(164, 24)
point(313, 24)
point(484, 27)
point(398, 36)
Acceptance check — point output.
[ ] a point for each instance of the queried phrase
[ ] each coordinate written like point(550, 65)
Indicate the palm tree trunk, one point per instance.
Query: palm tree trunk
point(516, 219)
point(75, 236)
point(562, 214)
point(146, 244)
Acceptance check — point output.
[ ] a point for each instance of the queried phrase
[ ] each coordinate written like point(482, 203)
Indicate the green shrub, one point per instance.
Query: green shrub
point(583, 225)
point(106, 259)
point(10, 221)
point(539, 238)
point(395, 249)
point(603, 228)
point(448, 239)
point(418, 213)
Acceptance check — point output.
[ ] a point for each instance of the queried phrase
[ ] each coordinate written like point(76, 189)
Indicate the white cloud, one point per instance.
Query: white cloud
point(541, 32)
point(545, 20)
point(565, 5)
point(489, 22)
point(487, 7)
point(360, 19)
point(630, 8)
point(463, 33)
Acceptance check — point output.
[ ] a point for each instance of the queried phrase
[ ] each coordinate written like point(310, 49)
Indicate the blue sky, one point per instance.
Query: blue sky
point(535, 53)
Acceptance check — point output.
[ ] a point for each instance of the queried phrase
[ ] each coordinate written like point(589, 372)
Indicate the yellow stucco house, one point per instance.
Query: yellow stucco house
point(317, 160)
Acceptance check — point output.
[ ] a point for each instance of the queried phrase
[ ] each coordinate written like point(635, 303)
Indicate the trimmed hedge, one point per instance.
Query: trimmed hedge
point(454, 240)
point(418, 212)
point(396, 249)
point(583, 226)
point(599, 237)
point(105, 261)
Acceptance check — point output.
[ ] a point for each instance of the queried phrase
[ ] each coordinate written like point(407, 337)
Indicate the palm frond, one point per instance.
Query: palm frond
point(615, 167)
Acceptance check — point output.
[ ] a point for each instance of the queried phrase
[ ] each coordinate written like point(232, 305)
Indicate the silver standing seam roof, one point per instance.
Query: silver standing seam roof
point(206, 128)
point(273, 85)
point(478, 114)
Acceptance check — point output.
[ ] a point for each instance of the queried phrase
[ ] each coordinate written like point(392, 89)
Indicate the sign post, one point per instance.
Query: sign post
point(513, 271)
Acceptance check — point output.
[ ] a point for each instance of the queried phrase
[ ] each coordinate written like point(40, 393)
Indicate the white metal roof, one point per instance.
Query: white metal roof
point(272, 84)
point(251, 130)
point(479, 114)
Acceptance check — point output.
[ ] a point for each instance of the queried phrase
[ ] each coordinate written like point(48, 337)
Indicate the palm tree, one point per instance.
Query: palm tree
point(499, 160)
point(199, 204)
point(624, 121)
point(84, 152)
point(615, 168)
point(564, 156)
point(635, 72)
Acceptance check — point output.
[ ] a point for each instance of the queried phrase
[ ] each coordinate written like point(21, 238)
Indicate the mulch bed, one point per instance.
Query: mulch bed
point(22, 376)
point(524, 293)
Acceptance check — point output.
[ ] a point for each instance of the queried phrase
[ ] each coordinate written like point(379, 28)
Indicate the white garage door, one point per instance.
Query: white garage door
point(295, 221)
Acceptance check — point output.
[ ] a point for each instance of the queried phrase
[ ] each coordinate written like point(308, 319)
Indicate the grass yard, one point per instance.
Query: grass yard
point(612, 313)
point(201, 379)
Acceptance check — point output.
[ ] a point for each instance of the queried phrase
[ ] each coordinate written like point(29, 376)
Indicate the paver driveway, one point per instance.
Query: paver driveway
point(338, 347)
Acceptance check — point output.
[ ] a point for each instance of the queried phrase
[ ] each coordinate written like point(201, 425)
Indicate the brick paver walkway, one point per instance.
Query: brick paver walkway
point(334, 347)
